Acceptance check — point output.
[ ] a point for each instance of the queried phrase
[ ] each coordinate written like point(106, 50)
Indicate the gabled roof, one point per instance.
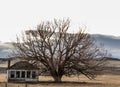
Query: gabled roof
point(23, 65)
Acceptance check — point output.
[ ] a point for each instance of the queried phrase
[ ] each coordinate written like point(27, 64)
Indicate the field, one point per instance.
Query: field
point(110, 78)
point(45, 81)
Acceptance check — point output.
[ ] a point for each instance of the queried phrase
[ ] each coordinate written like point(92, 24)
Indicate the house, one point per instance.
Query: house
point(22, 71)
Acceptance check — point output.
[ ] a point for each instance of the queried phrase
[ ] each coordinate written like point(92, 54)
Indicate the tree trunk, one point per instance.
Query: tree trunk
point(57, 78)
point(57, 75)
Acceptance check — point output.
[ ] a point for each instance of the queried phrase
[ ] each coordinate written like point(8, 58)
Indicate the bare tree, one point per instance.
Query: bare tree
point(61, 53)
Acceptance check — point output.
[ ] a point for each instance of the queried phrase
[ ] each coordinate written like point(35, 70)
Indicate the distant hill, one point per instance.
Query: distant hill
point(108, 40)
point(6, 50)
point(112, 59)
point(111, 43)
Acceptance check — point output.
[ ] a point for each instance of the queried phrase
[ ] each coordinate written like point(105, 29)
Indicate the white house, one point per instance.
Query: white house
point(22, 71)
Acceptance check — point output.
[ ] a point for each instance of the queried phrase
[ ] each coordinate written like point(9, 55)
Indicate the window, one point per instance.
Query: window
point(33, 74)
point(28, 74)
point(23, 74)
point(12, 74)
point(17, 74)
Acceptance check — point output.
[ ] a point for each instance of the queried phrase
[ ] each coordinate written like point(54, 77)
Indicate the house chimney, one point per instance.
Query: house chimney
point(9, 63)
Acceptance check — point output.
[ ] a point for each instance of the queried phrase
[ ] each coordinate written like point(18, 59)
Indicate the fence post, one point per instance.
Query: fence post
point(6, 84)
point(25, 84)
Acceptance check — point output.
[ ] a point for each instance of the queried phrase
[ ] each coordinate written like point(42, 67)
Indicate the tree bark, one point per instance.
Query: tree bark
point(57, 79)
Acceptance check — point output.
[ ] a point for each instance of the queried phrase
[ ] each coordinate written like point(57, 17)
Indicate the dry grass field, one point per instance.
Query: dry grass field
point(82, 81)
point(111, 79)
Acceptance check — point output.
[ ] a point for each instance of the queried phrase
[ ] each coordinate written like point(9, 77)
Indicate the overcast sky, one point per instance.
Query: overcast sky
point(100, 16)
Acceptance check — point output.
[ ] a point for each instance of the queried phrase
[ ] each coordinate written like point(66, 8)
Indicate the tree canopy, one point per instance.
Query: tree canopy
point(59, 52)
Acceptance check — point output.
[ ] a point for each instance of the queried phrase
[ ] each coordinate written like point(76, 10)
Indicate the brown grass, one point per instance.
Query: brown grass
point(82, 81)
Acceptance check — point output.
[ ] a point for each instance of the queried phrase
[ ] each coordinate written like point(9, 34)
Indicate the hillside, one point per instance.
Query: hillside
point(5, 50)
point(110, 43)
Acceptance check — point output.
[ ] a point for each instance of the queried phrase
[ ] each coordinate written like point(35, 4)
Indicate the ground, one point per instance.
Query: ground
point(82, 81)
point(111, 78)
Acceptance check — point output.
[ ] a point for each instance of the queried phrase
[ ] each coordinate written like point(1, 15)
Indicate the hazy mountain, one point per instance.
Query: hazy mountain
point(5, 50)
point(111, 43)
